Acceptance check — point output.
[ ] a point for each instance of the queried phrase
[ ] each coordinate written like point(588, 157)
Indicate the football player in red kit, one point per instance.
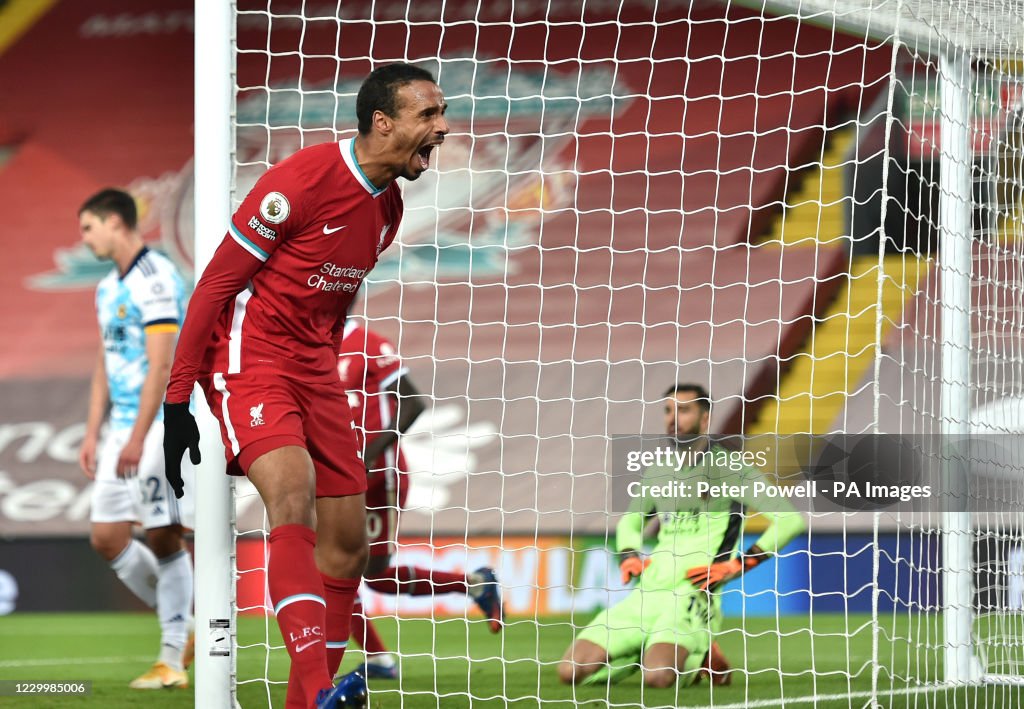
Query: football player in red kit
point(384, 404)
point(261, 337)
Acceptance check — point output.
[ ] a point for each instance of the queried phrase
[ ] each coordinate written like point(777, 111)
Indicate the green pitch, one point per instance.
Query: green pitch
point(452, 663)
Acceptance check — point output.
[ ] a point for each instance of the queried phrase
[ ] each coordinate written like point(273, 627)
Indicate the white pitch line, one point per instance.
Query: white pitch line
point(782, 701)
point(56, 661)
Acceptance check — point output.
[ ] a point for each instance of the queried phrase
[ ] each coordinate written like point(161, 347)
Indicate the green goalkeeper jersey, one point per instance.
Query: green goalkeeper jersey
point(699, 529)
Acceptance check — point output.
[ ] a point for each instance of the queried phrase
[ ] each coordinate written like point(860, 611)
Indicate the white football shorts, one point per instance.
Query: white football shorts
point(145, 498)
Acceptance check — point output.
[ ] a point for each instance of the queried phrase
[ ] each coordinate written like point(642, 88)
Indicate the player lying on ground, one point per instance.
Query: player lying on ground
point(385, 403)
point(140, 304)
point(261, 336)
point(666, 625)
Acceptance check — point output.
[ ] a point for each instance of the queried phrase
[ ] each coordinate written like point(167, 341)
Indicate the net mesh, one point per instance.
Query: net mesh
point(743, 195)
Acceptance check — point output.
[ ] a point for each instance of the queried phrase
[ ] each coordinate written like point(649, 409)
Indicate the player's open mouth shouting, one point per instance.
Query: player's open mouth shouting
point(425, 150)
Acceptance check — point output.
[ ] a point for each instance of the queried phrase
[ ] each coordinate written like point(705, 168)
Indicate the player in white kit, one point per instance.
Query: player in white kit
point(140, 305)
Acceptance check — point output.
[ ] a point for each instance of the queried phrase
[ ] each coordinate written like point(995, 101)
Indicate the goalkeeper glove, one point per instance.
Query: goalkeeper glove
point(708, 578)
point(180, 433)
point(632, 566)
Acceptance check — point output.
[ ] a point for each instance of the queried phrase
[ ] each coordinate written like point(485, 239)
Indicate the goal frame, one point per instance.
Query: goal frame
point(215, 564)
point(215, 571)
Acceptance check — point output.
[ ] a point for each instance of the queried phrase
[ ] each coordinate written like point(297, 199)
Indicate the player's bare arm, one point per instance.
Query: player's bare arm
point(99, 398)
point(410, 407)
point(159, 353)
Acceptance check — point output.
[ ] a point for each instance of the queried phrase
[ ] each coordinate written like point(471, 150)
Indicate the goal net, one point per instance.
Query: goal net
point(813, 208)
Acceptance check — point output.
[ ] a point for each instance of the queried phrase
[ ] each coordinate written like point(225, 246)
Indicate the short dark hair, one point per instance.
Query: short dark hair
point(379, 91)
point(111, 201)
point(699, 393)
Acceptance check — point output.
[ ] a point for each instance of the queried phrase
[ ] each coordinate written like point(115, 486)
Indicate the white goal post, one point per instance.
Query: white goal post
point(214, 177)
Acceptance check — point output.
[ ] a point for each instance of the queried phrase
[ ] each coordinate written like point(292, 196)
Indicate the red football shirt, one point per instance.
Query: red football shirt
point(315, 226)
point(368, 365)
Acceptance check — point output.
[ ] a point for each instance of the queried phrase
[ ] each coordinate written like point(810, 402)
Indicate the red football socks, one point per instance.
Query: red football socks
point(340, 594)
point(364, 631)
point(297, 592)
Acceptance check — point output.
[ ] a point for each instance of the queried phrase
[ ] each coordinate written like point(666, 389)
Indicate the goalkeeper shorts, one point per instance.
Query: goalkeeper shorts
point(681, 616)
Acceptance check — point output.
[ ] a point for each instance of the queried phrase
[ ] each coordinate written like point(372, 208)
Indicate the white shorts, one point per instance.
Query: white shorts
point(145, 498)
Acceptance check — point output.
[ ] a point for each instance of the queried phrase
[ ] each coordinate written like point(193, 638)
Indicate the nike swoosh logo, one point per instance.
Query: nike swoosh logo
point(311, 643)
point(331, 231)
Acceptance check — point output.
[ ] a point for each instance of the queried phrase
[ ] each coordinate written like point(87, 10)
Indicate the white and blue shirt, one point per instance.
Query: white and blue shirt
point(149, 298)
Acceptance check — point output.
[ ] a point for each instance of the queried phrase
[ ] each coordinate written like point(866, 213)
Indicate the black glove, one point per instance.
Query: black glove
point(180, 432)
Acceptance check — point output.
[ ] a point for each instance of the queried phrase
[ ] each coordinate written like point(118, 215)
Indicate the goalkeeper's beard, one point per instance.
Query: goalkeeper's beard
point(688, 437)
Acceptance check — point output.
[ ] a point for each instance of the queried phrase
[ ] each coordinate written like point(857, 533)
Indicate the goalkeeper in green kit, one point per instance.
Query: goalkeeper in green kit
point(666, 626)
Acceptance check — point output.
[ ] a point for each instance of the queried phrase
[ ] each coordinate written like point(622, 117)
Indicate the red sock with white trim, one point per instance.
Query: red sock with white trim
point(365, 633)
point(297, 593)
point(340, 595)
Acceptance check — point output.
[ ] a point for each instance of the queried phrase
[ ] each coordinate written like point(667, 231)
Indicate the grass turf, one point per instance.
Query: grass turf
point(452, 663)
